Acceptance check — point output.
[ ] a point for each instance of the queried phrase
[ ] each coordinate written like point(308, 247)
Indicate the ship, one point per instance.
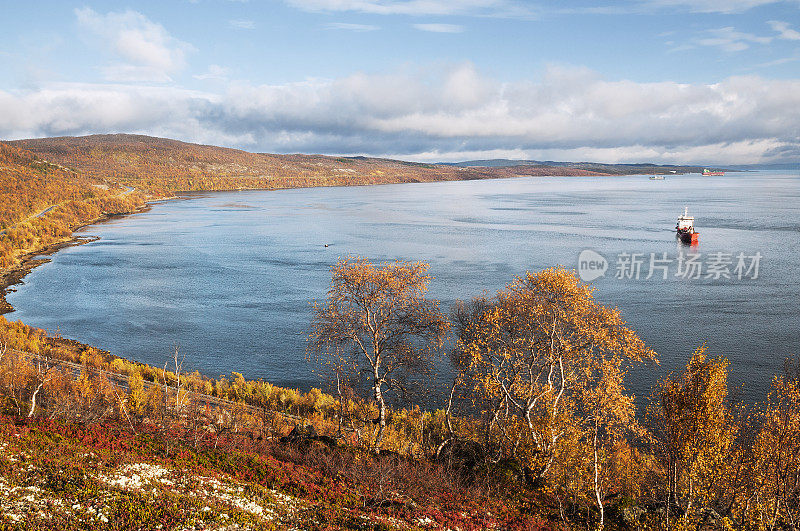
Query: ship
point(685, 228)
point(656, 177)
point(707, 172)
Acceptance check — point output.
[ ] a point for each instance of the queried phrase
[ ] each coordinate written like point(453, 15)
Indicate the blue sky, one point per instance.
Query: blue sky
point(703, 81)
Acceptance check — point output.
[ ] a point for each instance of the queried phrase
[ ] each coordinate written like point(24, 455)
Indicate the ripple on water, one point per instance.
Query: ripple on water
point(231, 276)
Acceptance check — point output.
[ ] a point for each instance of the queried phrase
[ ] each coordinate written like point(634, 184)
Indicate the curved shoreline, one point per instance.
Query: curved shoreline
point(30, 260)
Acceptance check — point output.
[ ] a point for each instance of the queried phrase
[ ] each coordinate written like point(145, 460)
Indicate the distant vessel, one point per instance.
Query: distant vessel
point(657, 178)
point(685, 228)
point(707, 172)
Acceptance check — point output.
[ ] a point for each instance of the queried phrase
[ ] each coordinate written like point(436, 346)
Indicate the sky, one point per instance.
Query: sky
point(667, 81)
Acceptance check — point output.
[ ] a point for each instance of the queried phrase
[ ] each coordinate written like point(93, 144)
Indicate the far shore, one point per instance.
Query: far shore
point(31, 259)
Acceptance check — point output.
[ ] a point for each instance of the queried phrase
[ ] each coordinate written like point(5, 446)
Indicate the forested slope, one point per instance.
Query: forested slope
point(42, 202)
point(162, 166)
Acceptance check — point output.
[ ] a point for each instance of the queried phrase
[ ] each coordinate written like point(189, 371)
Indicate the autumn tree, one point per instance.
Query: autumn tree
point(529, 351)
point(606, 416)
point(775, 498)
point(692, 423)
point(378, 323)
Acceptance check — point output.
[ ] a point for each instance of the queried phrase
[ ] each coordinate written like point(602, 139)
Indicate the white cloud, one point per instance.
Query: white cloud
point(215, 72)
point(784, 30)
point(242, 24)
point(679, 47)
point(744, 152)
point(730, 40)
point(145, 51)
point(80, 108)
point(351, 27)
point(778, 62)
point(440, 28)
point(503, 8)
point(455, 114)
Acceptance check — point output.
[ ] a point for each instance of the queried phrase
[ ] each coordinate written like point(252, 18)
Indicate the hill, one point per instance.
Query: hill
point(612, 169)
point(42, 202)
point(162, 166)
point(30, 185)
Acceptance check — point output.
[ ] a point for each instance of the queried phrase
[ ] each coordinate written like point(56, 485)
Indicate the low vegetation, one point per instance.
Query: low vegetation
point(41, 203)
point(538, 430)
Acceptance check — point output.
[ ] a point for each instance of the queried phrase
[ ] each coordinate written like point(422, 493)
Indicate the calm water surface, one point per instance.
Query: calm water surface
point(230, 276)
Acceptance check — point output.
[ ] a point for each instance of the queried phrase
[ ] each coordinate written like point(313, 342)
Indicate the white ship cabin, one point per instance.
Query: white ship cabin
point(685, 222)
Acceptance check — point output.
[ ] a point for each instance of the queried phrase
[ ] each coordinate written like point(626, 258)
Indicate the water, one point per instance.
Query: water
point(230, 276)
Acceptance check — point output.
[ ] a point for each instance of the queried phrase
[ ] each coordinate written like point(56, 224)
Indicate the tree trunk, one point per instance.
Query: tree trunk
point(597, 481)
point(381, 416)
point(448, 421)
point(33, 400)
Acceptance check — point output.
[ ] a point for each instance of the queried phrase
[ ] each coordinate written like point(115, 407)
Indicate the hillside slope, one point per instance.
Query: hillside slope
point(162, 166)
point(29, 185)
point(42, 202)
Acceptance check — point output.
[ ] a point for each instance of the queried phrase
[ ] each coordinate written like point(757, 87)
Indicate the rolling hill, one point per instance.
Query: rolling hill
point(161, 166)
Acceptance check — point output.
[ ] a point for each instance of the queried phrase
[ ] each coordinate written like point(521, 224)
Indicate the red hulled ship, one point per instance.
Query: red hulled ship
point(685, 228)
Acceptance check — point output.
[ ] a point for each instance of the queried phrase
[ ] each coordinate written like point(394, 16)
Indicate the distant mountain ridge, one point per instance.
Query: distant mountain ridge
point(792, 166)
point(614, 169)
point(161, 167)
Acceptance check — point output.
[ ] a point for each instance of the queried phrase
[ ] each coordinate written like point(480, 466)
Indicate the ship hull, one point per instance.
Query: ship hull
point(689, 237)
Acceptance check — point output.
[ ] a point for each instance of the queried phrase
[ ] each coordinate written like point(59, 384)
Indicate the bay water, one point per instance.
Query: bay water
point(230, 277)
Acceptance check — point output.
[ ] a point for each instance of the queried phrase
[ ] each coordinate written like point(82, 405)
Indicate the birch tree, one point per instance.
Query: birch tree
point(693, 427)
point(378, 324)
point(526, 356)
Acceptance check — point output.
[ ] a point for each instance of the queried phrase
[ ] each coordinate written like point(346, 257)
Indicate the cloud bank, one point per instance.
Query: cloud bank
point(570, 114)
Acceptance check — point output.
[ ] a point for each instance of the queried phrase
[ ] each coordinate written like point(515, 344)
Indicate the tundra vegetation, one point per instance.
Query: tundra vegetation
point(41, 203)
point(536, 429)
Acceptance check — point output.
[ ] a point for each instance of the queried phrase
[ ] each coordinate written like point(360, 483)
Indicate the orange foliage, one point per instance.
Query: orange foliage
point(377, 320)
point(162, 166)
point(42, 203)
point(540, 352)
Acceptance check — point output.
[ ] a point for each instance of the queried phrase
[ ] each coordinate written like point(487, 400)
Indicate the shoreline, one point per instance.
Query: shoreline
point(28, 261)
point(34, 258)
